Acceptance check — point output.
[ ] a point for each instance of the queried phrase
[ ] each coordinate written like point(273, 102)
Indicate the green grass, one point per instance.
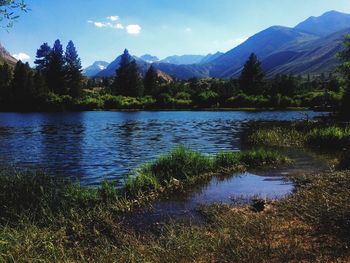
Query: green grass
point(312, 225)
point(184, 167)
point(45, 219)
point(317, 135)
point(333, 137)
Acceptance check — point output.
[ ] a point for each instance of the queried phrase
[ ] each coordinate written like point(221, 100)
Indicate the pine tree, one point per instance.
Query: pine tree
point(5, 81)
point(40, 87)
point(251, 79)
point(127, 81)
point(22, 85)
point(43, 58)
point(73, 70)
point(151, 81)
point(55, 77)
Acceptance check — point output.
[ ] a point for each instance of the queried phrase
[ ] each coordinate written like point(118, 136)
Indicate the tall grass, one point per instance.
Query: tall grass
point(330, 137)
point(85, 225)
point(318, 136)
point(324, 202)
point(39, 198)
point(183, 167)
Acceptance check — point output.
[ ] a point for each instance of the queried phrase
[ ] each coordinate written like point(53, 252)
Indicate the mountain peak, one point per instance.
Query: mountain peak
point(95, 68)
point(326, 24)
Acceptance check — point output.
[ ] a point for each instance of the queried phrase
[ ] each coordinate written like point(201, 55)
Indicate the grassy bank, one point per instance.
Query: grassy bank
point(36, 197)
point(302, 134)
point(306, 227)
point(183, 167)
point(45, 219)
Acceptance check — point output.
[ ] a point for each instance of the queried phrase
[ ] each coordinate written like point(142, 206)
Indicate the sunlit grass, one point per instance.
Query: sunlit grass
point(311, 225)
point(311, 135)
point(183, 166)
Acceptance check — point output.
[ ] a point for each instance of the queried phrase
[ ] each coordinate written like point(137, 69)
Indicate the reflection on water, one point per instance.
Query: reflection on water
point(106, 145)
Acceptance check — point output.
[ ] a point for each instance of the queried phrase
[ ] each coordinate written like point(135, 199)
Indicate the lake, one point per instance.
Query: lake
point(92, 146)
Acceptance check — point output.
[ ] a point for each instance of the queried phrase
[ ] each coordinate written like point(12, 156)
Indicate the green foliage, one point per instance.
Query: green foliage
point(330, 137)
point(73, 68)
point(208, 98)
point(344, 69)
point(142, 183)
point(151, 81)
point(9, 10)
point(183, 166)
point(59, 73)
point(251, 79)
point(302, 134)
point(127, 81)
point(277, 136)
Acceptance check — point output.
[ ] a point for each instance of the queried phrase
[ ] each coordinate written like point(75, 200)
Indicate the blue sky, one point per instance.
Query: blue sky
point(101, 29)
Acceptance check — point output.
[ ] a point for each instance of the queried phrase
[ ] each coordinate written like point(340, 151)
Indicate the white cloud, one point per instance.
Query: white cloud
point(119, 26)
point(188, 30)
point(115, 24)
point(113, 18)
point(100, 24)
point(21, 56)
point(133, 29)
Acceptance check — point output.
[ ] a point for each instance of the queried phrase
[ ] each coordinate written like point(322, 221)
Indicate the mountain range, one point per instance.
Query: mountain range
point(308, 48)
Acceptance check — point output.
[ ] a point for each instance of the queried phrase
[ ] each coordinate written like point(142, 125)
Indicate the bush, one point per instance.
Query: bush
point(208, 99)
point(89, 103)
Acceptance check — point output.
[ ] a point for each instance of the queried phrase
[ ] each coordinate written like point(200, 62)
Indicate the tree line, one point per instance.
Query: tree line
point(57, 73)
point(57, 83)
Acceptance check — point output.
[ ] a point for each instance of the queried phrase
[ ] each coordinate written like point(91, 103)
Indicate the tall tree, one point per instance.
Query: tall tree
point(73, 71)
point(22, 84)
point(127, 81)
point(251, 79)
point(55, 73)
point(5, 81)
point(151, 81)
point(43, 58)
point(344, 69)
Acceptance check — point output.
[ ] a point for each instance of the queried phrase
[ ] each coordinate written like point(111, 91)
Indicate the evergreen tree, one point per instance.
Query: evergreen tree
point(251, 79)
point(127, 81)
point(151, 81)
point(55, 77)
point(43, 58)
point(22, 85)
point(40, 87)
point(5, 81)
point(73, 70)
point(344, 69)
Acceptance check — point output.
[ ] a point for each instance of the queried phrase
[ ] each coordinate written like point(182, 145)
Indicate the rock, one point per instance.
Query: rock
point(258, 205)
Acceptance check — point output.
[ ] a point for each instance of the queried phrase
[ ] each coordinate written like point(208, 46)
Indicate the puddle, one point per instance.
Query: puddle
point(266, 183)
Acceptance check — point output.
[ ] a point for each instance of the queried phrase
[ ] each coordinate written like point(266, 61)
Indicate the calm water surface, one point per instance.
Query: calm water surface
point(91, 146)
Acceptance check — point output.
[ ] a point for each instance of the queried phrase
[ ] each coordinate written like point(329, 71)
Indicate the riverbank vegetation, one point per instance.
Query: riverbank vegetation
point(57, 84)
point(302, 134)
point(183, 167)
point(46, 220)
